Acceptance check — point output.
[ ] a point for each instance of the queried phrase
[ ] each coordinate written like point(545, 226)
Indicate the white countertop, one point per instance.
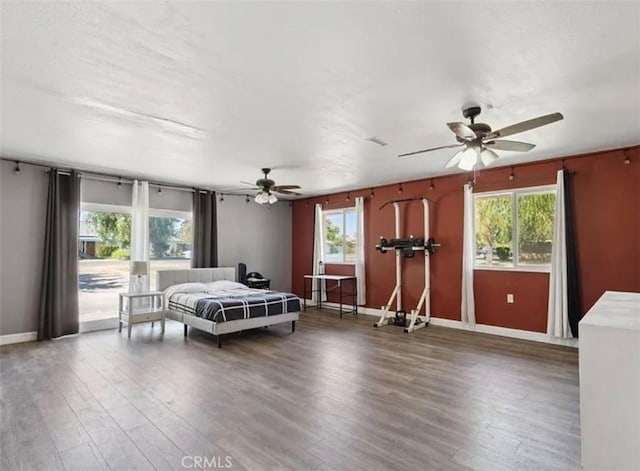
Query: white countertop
point(615, 309)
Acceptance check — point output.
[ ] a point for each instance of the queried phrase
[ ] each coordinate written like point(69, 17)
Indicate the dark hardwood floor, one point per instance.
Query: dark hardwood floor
point(335, 395)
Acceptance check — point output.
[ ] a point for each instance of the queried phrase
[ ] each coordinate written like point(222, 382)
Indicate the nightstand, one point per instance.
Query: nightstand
point(153, 312)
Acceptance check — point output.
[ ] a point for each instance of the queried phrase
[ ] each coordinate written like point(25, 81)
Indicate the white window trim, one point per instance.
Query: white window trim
point(115, 208)
point(105, 208)
point(170, 213)
point(514, 217)
point(338, 211)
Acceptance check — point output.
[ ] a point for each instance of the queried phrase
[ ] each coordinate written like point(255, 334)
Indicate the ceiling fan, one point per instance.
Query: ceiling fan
point(479, 141)
point(267, 187)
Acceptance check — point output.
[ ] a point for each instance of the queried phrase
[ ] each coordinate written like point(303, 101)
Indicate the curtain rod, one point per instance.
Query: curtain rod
point(526, 178)
point(102, 176)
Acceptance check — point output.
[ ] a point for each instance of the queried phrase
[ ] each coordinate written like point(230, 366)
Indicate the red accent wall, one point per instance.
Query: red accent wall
point(606, 217)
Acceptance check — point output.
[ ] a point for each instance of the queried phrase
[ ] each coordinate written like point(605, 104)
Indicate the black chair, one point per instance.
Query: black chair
point(242, 273)
point(253, 279)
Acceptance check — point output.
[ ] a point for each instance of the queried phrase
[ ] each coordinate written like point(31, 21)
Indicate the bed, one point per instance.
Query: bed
point(225, 308)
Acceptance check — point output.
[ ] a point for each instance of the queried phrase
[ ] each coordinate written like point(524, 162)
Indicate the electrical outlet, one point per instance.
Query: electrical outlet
point(510, 298)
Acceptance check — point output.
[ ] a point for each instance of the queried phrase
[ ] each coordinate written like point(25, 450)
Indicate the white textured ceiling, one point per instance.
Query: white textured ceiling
point(207, 93)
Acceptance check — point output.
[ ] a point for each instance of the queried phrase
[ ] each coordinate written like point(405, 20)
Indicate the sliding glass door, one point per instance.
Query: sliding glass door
point(103, 266)
point(104, 256)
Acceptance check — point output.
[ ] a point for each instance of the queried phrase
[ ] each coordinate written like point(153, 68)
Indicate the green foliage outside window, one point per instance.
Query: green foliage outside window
point(339, 236)
point(168, 237)
point(535, 227)
point(495, 229)
point(112, 228)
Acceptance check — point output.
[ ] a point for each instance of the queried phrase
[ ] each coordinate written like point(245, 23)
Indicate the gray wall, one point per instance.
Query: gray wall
point(247, 232)
point(102, 192)
point(258, 235)
point(23, 200)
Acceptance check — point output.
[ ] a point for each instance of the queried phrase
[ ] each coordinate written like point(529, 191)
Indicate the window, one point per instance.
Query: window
point(340, 236)
point(170, 242)
point(104, 254)
point(514, 229)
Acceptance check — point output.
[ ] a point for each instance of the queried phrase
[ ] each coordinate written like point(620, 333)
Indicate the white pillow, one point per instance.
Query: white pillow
point(185, 288)
point(222, 285)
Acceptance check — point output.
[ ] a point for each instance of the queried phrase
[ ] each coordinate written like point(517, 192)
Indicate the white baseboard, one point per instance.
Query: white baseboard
point(99, 324)
point(18, 338)
point(504, 332)
point(89, 326)
point(454, 324)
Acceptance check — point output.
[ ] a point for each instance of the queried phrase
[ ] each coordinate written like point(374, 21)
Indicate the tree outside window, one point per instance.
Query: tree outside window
point(533, 212)
point(494, 235)
point(340, 236)
point(535, 227)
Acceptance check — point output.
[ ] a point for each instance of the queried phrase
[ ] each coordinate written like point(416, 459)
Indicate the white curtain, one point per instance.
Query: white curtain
point(558, 311)
point(468, 308)
point(139, 235)
point(318, 254)
point(360, 277)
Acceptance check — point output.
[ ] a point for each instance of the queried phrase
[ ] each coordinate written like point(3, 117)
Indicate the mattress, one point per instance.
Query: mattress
point(234, 304)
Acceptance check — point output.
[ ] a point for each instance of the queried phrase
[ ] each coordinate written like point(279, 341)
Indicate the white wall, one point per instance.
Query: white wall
point(23, 200)
point(258, 235)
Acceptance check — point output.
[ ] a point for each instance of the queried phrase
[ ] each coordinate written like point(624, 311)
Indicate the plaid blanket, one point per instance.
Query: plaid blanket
point(231, 305)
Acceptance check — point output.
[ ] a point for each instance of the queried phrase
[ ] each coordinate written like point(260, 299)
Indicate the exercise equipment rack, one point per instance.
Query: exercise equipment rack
point(406, 248)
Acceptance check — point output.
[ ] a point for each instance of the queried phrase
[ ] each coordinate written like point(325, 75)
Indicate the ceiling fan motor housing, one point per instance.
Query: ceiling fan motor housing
point(481, 130)
point(265, 182)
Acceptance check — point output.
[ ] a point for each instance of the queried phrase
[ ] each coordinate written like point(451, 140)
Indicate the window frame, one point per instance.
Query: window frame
point(513, 193)
point(115, 208)
point(344, 225)
point(175, 214)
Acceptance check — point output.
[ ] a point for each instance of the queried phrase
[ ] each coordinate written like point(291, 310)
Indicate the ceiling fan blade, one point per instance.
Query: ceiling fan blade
point(238, 189)
point(285, 187)
point(286, 192)
point(488, 156)
point(462, 131)
point(429, 150)
point(525, 125)
point(515, 146)
point(455, 159)
point(247, 183)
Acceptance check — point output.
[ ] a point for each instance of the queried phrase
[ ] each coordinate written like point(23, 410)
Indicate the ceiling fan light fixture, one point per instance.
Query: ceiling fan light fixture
point(468, 159)
point(488, 157)
point(271, 198)
point(261, 198)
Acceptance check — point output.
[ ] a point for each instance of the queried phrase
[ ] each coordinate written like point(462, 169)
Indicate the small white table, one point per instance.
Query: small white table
point(153, 312)
point(339, 279)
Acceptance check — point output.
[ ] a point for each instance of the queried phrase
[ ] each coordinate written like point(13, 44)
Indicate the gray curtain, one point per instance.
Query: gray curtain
point(59, 288)
point(205, 230)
